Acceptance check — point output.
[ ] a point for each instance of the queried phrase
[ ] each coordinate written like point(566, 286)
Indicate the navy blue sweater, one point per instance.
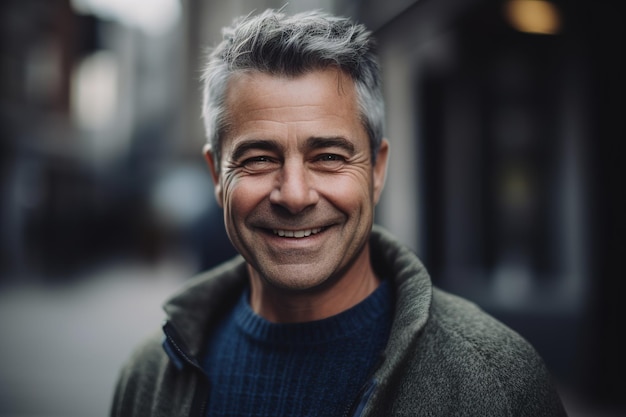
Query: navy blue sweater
point(259, 368)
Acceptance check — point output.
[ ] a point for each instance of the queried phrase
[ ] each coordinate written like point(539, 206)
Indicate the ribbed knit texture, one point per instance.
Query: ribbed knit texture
point(259, 368)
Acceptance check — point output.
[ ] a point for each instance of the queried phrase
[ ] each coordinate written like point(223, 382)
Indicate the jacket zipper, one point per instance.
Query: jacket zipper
point(365, 392)
point(198, 406)
point(360, 399)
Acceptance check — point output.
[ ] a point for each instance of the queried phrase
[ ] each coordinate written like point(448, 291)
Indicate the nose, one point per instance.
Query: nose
point(294, 189)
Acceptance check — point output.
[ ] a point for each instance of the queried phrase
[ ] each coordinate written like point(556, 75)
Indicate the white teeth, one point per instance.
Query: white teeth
point(297, 233)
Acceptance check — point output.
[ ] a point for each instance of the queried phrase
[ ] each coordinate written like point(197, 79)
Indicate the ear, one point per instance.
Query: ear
point(215, 174)
point(380, 169)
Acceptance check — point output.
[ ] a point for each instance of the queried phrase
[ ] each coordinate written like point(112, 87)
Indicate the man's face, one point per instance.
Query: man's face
point(297, 182)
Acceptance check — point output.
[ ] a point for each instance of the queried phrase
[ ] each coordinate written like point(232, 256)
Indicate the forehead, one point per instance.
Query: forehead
point(327, 96)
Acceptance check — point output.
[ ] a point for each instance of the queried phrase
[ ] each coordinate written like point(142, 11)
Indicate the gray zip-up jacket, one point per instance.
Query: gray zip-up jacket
point(445, 356)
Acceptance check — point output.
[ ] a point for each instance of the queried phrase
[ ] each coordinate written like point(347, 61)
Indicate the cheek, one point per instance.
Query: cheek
point(351, 191)
point(242, 195)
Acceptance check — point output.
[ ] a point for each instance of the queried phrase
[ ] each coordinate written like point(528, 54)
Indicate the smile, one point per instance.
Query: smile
point(297, 233)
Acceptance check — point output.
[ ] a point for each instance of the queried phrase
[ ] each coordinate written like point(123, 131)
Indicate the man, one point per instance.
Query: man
point(323, 314)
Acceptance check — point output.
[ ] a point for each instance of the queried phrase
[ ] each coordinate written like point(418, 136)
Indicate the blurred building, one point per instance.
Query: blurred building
point(503, 118)
point(98, 120)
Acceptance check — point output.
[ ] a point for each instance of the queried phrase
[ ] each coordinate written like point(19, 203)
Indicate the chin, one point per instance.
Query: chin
point(301, 285)
point(295, 280)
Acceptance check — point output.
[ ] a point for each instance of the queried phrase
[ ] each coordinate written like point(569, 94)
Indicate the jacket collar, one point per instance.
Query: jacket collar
point(200, 303)
point(413, 295)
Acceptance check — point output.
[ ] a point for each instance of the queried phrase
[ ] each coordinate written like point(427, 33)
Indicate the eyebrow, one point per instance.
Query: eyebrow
point(259, 144)
point(330, 142)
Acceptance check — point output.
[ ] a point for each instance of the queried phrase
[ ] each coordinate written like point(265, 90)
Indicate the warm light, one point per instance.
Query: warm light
point(533, 16)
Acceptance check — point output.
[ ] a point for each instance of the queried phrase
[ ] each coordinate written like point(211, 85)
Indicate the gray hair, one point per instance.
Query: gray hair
point(277, 44)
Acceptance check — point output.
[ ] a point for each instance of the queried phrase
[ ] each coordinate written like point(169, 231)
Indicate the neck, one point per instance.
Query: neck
point(281, 305)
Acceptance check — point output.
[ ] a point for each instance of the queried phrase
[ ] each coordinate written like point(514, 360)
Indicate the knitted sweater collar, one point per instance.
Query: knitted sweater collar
point(326, 330)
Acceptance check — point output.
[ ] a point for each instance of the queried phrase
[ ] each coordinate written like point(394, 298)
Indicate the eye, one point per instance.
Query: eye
point(329, 160)
point(330, 157)
point(259, 163)
point(256, 159)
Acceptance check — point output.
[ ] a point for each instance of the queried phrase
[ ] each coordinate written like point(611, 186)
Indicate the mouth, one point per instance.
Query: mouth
point(297, 234)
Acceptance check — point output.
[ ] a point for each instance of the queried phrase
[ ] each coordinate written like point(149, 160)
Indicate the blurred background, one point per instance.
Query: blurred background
point(503, 117)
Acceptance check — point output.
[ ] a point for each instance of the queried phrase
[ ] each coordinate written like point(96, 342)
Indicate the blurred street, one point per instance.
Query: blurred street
point(62, 346)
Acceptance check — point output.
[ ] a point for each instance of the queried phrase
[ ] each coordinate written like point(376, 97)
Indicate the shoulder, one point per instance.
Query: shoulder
point(147, 355)
point(145, 360)
point(476, 346)
point(135, 383)
point(463, 361)
point(465, 326)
